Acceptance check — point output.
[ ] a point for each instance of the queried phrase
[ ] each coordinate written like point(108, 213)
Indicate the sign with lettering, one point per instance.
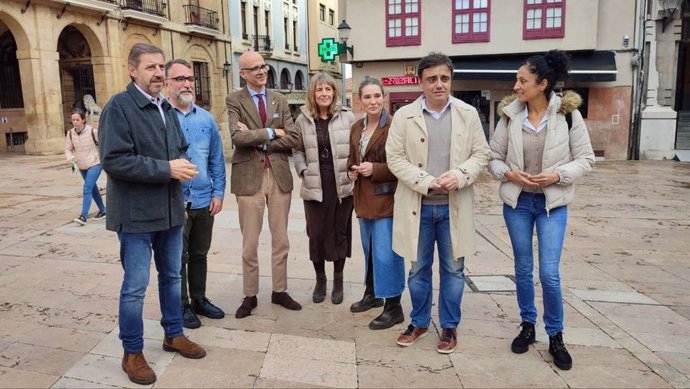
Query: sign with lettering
point(400, 80)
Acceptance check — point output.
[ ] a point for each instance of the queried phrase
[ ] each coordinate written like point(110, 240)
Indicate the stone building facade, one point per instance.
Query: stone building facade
point(489, 39)
point(55, 52)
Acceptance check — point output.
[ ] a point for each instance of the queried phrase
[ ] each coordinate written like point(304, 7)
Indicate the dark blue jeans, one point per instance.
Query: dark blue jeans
point(135, 254)
point(90, 190)
point(434, 228)
point(531, 211)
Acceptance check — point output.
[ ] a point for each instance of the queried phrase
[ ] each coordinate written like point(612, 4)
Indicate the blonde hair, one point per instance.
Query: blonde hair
point(316, 79)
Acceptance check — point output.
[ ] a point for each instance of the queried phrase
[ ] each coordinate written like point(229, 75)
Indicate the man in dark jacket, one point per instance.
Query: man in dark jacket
point(143, 152)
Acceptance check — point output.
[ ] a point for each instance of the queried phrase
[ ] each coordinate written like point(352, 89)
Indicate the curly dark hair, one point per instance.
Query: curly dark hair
point(553, 66)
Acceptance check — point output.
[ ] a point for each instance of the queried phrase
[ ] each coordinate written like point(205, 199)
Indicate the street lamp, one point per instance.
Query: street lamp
point(227, 68)
point(344, 34)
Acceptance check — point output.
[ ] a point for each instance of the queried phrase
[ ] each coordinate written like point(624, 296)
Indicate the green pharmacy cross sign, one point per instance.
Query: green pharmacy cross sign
point(328, 49)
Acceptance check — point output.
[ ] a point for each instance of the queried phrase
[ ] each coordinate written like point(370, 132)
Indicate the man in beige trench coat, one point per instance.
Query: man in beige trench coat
point(437, 149)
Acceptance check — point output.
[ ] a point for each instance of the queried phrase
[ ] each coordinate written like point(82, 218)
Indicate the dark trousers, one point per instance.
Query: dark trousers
point(197, 241)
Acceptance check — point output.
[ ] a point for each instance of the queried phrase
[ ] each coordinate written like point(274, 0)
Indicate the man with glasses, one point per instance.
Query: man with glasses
point(143, 151)
point(203, 195)
point(263, 134)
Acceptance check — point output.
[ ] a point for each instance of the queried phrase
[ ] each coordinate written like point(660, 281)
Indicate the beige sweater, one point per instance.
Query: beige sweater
point(82, 147)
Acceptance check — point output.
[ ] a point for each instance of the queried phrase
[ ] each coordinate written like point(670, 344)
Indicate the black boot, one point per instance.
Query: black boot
point(392, 315)
point(524, 339)
point(369, 300)
point(561, 357)
point(337, 293)
point(319, 293)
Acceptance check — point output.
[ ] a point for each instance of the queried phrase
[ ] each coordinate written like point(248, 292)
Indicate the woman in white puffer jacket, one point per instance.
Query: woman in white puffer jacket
point(539, 148)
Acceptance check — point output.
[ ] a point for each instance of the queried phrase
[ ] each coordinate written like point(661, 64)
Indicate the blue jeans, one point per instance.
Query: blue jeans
point(388, 267)
point(135, 254)
point(90, 190)
point(531, 210)
point(434, 227)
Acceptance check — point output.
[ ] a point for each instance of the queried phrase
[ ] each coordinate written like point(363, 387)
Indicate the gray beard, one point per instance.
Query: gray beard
point(185, 99)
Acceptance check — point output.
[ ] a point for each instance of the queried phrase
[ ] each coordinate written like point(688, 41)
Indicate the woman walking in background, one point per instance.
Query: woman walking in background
point(539, 148)
point(373, 201)
point(81, 149)
point(321, 161)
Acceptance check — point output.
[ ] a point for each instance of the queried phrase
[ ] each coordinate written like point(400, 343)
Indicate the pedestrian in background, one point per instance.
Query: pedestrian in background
point(320, 159)
point(81, 149)
point(437, 149)
point(143, 151)
point(384, 276)
point(538, 150)
point(203, 194)
point(263, 133)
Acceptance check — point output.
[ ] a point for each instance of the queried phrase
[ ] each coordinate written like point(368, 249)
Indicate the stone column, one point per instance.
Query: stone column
point(658, 127)
point(42, 101)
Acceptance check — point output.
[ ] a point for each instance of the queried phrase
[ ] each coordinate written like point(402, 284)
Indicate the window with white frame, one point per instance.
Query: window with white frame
point(403, 21)
point(471, 20)
point(544, 19)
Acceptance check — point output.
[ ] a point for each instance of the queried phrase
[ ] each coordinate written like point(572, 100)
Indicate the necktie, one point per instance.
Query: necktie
point(262, 109)
point(262, 114)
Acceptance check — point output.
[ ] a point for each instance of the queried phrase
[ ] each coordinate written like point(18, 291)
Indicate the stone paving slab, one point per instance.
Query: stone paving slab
point(18, 378)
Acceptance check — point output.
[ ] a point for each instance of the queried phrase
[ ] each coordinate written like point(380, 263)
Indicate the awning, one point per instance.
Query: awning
point(596, 66)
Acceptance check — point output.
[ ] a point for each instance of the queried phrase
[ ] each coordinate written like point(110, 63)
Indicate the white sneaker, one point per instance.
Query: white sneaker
point(80, 220)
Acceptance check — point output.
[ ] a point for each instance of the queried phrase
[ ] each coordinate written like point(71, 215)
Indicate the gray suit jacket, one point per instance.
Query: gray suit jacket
point(247, 160)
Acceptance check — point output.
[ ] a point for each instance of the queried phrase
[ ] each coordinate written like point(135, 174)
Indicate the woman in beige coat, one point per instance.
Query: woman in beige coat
point(81, 149)
point(540, 147)
point(321, 161)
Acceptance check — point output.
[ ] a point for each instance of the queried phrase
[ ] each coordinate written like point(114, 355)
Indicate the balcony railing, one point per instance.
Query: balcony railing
point(153, 7)
point(199, 16)
point(262, 43)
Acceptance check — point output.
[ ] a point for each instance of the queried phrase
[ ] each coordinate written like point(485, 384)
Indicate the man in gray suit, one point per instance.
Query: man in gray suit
point(263, 134)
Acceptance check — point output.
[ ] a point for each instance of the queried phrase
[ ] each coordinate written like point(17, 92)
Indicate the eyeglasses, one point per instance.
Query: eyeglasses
point(183, 78)
point(263, 67)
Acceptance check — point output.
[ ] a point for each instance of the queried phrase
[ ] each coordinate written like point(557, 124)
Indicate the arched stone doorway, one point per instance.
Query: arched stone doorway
point(285, 82)
point(12, 117)
point(271, 78)
point(76, 71)
point(299, 80)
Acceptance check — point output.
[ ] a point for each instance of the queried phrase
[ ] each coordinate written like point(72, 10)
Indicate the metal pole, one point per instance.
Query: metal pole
point(11, 140)
point(344, 84)
point(634, 139)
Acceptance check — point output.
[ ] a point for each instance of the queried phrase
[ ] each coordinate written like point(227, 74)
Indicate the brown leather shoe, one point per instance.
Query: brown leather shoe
point(411, 335)
point(184, 347)
point(137, 369)
point(285, 300)
point(248, 304)
point(448, 342)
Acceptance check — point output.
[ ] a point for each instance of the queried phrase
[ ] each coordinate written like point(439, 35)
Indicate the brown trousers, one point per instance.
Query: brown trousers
point(251, 213)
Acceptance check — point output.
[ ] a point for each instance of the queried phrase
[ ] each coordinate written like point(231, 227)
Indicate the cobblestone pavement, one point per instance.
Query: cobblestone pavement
point(625, 274)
